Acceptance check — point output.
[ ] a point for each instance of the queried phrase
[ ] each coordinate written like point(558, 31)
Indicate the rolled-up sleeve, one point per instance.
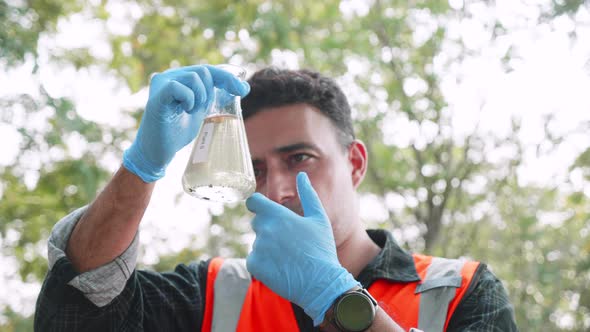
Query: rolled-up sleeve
point(100, 285)
point(116, 296)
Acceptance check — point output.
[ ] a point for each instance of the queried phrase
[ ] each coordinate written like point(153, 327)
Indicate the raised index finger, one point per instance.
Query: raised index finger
point(229, 82)
point(222, 79)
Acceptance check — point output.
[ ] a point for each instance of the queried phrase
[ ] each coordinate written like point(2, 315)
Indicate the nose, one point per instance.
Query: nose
point(281, 185)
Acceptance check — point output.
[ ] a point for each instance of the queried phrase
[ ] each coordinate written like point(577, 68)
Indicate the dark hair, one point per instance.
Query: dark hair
point(274, 87)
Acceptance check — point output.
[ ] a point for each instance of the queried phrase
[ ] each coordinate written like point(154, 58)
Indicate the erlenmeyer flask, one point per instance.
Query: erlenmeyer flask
point(220, 166)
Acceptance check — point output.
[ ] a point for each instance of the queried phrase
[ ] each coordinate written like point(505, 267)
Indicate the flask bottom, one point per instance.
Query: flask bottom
point(224, 194)
point(225, 187)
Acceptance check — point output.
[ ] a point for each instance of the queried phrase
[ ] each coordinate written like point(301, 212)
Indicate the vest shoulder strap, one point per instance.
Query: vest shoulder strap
point(229, 291)
point(237, 302)
point(437, 290)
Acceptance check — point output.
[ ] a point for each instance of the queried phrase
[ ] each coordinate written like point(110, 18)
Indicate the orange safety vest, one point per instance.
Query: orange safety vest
point(236, 302)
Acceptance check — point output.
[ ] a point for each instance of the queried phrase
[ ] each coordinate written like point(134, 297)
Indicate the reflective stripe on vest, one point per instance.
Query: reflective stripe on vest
point(233, 309)
point(212, 270)
point(437, 290)
point(425, 304)
point(231, 285)
point(235, 303)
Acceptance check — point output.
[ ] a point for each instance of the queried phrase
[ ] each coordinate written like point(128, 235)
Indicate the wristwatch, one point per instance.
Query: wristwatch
point(353, 311)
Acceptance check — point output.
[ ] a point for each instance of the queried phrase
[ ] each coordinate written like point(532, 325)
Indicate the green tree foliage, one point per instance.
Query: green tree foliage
point(63, 183)
point(568, 7)
point(16, 323)
point(386, 53)
point(23, 22)
point(48, 178)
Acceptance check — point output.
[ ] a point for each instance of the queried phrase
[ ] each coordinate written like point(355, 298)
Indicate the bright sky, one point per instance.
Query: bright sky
point(551, 76)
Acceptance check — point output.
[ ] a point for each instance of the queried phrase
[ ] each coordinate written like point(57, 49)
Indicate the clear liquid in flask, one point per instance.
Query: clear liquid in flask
point(220, 166)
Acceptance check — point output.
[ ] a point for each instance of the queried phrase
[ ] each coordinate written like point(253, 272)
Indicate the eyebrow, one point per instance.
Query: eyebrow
point(296, 146)
point(291, 148)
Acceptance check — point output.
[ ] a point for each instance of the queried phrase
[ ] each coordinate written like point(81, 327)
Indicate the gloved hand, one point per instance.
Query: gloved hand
point(177, 104)
point(295, 256)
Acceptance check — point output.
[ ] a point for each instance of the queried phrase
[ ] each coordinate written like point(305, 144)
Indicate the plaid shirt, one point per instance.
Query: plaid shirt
point(175, 301)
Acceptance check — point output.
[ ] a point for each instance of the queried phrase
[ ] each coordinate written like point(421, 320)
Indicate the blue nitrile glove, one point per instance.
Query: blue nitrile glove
point(176, 107)
point(295, 256)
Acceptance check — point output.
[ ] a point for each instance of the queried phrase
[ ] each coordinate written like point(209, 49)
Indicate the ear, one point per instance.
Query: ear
point(357, 156)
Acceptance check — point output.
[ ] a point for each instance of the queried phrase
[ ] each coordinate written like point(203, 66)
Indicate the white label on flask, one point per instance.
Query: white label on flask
point(202, 148)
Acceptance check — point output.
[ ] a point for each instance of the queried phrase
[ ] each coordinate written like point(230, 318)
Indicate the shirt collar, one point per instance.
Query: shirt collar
point(392, 263)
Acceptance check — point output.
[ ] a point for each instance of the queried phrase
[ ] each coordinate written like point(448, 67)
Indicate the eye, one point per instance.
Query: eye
point(299, 157)
point(258, 170)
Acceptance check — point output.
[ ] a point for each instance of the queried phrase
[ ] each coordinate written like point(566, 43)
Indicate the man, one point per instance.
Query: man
point(312, 266)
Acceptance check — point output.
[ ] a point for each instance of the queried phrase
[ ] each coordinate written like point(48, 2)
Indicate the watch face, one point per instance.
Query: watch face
point(355, 312)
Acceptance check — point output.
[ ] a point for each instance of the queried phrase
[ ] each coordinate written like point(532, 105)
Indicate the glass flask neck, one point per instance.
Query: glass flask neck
point(237, 71)
point(226, 103)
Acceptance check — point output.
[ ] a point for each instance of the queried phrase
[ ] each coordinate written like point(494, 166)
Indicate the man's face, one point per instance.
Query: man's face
point(289, 139)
